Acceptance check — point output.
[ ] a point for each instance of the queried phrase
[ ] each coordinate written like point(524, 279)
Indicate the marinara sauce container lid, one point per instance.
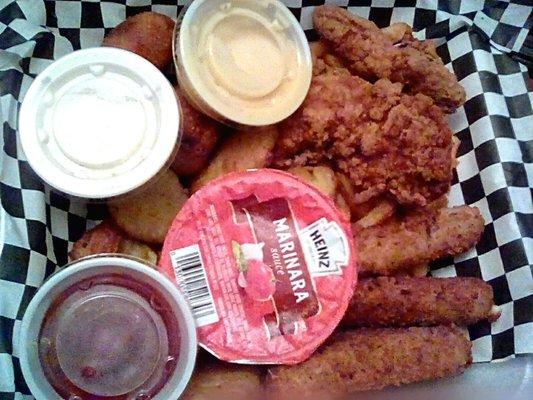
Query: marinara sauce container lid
point(107, 327)
point(267, 264)
point(242, 62)
point(99, 122)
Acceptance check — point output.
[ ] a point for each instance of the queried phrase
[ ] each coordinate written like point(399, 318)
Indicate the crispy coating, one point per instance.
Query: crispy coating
point(370, 53)
point(107, 238)
point(417, 238)
point(405, 301)
point(223, 381)
point(200, 136)
point(244, 150)
point(397, 31)
point(367, 359)
point(146, 216)
point(147, 34)
point(384, 141)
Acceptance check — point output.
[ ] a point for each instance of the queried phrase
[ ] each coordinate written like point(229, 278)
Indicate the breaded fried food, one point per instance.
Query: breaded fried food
point(367, 359)
point(103, 238)
point(405, 301)
point(247, 149)
point(416, 238)
point(147, 34)
point(200, 136)
point(107, 238)
point(146, 216)
point(324, 179)
point(397, 31)
point(324, 61)
point(223, 381)
point(370, 53)
point(382, 140)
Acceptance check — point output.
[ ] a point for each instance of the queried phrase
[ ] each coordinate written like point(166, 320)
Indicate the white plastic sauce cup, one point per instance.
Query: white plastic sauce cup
point(107, 326)
point(99, 123)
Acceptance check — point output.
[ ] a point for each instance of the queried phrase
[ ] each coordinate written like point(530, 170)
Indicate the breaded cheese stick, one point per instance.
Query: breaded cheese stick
point(406, 301)
point(417, 238)
point(223, 381)
point(367, 359)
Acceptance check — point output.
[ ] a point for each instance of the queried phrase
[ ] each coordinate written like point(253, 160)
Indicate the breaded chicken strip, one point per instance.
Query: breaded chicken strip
point(417, 238)
point(405, 301)
point(382, 140)
point(223, 381)
point(368, 359)
point(370, 53)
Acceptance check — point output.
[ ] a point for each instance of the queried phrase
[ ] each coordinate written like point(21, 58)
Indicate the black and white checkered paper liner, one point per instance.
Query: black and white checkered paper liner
point(482, 42)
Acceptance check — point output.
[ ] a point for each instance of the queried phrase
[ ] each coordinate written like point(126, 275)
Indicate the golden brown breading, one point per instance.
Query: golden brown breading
point(200, 136)
point(367, 359)
point(397, 31)
point(222, 381)
point(370, 53)
point(147, 215)
point(107, 238)
point(384, 141)
point(147, 34)
point(404, 301)
point(247, 149)
point(417, 238)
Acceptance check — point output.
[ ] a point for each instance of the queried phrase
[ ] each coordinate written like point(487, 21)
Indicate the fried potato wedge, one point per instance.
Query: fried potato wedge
point(200, 136)
point(323, 178)
point(244, 150)
point(147, 216)
point(107, 238)
point(383, 210)
point(147, 34)
point(225, 382)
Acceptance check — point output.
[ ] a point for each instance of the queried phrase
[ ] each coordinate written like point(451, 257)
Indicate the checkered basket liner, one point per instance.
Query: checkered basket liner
point(487, 44)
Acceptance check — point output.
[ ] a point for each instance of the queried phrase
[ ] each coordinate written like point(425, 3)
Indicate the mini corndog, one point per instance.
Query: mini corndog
point(406, 301)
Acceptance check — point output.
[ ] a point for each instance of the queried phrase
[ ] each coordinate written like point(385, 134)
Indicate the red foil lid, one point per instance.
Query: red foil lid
point(267, 264)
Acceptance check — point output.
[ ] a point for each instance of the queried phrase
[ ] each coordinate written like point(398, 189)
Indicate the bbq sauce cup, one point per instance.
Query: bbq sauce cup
point(99, 123)
point(242, 62)
point(107, 327)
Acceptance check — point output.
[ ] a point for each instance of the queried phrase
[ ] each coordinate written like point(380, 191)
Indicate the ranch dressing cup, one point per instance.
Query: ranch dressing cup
point(242, 62)
point(99, 123)
point(107, 327)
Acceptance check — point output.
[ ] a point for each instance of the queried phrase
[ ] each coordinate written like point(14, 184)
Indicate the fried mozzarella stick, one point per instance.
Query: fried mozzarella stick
point(371, 53)
point(417, 238)
point(225, 382)
point(405, 301)
point(367, 359)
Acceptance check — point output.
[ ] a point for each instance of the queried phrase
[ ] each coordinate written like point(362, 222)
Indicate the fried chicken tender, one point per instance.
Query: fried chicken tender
point(146, 216)
point(417, 238)
point(225, 382)
point(107, 238)
point(371, 53)
point(367, 359)
point(405, 301)
point(147, 34)
point(200, 136)
point(383, 140)
point(244, 150)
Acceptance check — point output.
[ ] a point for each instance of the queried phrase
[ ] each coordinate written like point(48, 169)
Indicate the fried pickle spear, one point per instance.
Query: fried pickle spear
point(371, 53)
point(107, 238)
point(146, 216)
point(243, 150)
point(367, 359)
point(404, 301)
point(223, 381)
point(147, 34)
point(200, 136)
point(417, 238)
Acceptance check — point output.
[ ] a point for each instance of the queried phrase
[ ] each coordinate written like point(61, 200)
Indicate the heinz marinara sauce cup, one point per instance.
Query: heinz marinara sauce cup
point(107, 327)
point(267, 264)
point(242, 62)
point(99, 123)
